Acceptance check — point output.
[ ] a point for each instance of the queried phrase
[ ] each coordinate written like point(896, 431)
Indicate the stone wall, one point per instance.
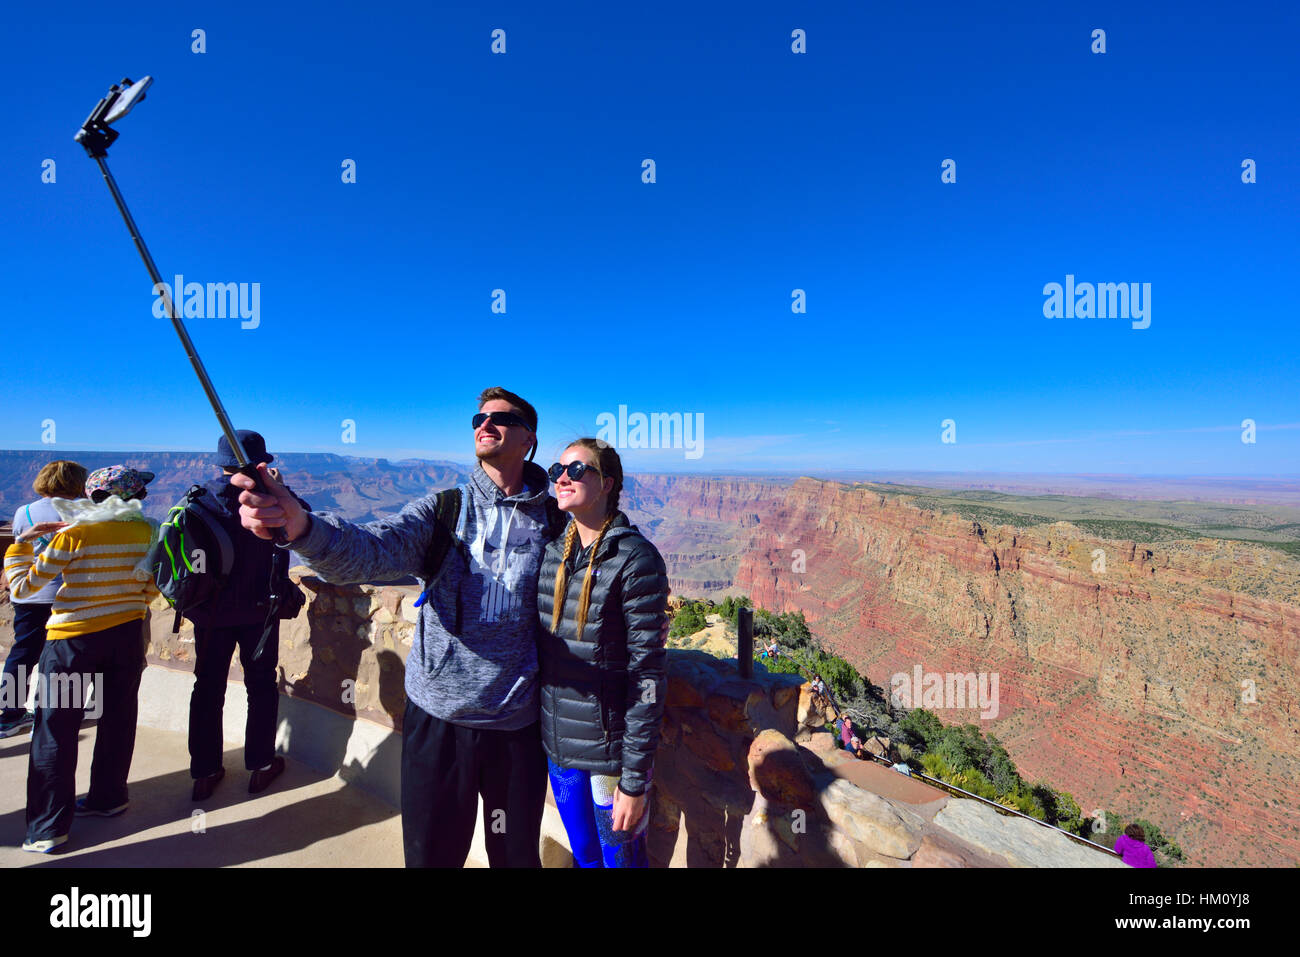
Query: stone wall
point(702, 787)
point(346, 650)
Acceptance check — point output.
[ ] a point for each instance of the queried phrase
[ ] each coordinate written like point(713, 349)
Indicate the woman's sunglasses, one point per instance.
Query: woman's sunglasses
point(575, 469)
point(499, 418)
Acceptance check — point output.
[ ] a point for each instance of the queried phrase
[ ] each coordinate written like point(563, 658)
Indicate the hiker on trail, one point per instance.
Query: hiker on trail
point(95, 632)
point(846, 732)
point(1131, 846)
point(855, 747)
point(58, 479)
point(818, 694)
point(471, 722)
point(602, 597)
point(238, 615)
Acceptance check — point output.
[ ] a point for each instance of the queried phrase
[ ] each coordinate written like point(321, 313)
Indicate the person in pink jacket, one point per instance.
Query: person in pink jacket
point(1131, 846)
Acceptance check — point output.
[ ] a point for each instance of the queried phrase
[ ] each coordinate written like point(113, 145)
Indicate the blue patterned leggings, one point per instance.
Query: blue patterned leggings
point(586, 805)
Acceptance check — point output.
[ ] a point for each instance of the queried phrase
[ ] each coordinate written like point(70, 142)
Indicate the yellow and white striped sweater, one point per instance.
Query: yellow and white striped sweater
point(100, 588)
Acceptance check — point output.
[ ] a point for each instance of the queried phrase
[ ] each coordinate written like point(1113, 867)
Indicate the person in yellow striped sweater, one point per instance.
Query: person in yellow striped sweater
point(94, 633)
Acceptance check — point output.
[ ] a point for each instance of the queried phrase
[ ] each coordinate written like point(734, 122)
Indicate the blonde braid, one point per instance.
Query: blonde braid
point(562, 575)
point(586, 581)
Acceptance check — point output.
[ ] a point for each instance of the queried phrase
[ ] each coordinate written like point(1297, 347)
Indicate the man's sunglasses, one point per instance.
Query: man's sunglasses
point(575, 469)
point(499, 418)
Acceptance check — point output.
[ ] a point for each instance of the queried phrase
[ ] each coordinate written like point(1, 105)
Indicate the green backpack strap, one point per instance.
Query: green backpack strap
point(446, 514)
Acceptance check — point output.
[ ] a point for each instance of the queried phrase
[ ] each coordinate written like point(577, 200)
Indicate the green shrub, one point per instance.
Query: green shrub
point(975, 782)
point(1000, 769)
point(936, 766)
point(962, 747)
point(688, 620)
point(840, 677)
point(729, 606)
point(1067, 815)
point(921, 727)
point(1025, 803)
point(782, 665)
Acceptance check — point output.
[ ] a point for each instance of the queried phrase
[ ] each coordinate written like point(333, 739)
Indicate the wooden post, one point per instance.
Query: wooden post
point(745, 641)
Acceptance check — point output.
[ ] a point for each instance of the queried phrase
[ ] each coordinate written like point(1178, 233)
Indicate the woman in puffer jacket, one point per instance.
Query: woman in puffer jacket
point(602, 600)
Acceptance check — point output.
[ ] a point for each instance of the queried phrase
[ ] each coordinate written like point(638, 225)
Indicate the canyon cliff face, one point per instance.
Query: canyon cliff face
point(700, 525)
point(1160, 684)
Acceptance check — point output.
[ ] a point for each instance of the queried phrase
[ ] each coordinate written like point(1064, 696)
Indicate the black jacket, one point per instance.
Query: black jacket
point(603, 696)
point(243, 600)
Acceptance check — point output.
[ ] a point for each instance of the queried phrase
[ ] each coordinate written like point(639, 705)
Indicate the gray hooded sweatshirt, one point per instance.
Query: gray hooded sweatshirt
point(484, 674)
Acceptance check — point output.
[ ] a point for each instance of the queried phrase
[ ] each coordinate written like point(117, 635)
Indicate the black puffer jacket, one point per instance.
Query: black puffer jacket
point(603, 696)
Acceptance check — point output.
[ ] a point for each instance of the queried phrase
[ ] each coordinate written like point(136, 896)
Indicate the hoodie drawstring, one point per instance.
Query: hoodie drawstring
point(505, 541)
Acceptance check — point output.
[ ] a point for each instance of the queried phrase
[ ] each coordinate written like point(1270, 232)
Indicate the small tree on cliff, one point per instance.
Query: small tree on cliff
point(796, 631)
point(920, 727)
point(730, 605)
point(840, 677)
point(1001, 770)
point(962, 747)
point(688, 620)
point(1061, 809)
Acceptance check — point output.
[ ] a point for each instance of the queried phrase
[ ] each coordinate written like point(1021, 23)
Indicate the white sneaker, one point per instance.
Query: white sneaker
point(44, 847)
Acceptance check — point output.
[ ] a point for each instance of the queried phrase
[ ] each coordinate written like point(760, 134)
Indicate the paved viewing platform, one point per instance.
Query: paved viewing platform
point(305, 819)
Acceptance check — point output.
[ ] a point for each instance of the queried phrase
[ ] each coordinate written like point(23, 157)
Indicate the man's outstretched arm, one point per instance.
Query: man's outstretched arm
point(341, 552)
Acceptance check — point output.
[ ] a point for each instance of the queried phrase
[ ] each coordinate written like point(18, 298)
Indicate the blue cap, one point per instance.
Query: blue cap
point(254, 447)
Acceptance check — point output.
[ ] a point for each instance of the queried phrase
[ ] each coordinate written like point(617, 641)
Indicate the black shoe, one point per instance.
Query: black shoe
point(203, 787)
point(84, 809)
point(261, 780)
point(18, 725)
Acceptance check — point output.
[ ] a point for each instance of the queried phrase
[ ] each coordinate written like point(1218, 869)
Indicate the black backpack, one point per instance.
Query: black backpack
point(193, 555)
point(446, 517)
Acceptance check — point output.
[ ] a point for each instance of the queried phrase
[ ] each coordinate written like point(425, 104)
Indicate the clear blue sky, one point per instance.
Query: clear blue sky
point(775, 171)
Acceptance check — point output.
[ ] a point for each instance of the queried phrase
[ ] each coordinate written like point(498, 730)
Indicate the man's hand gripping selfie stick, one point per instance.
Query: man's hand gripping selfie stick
point(96, 137)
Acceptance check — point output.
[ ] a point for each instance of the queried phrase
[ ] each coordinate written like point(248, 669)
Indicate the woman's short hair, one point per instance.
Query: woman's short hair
point(61, 479)
point(1135, 831)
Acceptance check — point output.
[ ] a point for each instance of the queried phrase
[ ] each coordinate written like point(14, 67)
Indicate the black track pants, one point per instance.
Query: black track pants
point(445, 767)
